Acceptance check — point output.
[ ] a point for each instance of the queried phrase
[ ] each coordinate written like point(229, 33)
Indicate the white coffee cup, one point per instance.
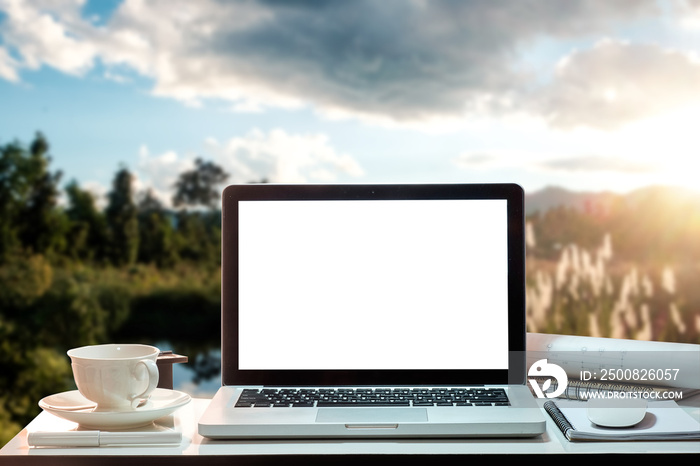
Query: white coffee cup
point(118, 377)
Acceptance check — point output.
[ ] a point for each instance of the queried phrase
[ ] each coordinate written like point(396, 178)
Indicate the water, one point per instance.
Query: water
point(184, 381)
point(200, 376)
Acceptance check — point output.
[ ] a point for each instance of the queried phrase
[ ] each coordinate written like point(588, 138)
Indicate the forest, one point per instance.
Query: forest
point(73, 274)
point(78, 270)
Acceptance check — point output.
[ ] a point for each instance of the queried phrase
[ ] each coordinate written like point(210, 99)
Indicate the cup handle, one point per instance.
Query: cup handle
point(153, 376)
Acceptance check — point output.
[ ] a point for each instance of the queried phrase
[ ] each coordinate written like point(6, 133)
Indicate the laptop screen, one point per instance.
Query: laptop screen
point(359, 282)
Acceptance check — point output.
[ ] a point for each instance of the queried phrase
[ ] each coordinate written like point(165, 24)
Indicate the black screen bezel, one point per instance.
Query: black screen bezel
point(232, 195)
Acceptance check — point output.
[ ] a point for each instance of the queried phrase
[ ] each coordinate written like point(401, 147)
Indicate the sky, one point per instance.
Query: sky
point(587, 95)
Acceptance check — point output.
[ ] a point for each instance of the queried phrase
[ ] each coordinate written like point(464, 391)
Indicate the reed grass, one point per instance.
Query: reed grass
point(589, 292)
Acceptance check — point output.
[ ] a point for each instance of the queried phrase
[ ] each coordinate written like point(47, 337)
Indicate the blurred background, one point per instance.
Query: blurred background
point(120, 122)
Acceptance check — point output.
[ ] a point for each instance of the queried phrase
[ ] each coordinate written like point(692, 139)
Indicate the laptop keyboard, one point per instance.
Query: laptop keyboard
point(267, 397)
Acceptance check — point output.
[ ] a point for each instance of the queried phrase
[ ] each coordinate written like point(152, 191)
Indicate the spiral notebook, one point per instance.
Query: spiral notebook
point(664, 420)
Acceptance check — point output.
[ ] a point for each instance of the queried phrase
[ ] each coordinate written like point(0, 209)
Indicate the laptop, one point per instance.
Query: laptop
point(372, 311)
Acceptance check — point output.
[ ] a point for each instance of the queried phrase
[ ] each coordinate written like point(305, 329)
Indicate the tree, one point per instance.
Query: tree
point(43, 226)
point(198, 237)
point(11, 192)
point(156, 232)
point(199, 186)
point(88, 227)
point(122, 220)
point(28, 198)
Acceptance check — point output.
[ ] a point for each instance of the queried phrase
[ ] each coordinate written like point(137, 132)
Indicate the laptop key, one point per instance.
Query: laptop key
point(371, 397)
point(326, 404)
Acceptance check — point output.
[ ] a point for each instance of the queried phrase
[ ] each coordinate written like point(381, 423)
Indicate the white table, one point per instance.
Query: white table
point(195, 449)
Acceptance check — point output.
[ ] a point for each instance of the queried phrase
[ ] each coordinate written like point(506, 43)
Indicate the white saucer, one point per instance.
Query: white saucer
point(76, 408)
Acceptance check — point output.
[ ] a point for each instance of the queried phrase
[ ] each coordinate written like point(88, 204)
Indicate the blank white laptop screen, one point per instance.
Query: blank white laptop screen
point(373, 285)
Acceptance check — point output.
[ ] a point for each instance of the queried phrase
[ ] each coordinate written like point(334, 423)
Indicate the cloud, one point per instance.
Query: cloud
point(400, 60)
point(614, 83)
point(8, 67)
point(281, 157)
point(42, 37)
point(566, 165)
point(276, 156)
point(689, 13)
point(98, 191)
point(476, 160)
point(597, 163)
point(160, 172)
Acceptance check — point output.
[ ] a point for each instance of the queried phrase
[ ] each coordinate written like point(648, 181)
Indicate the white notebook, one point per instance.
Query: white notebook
point(664, 420)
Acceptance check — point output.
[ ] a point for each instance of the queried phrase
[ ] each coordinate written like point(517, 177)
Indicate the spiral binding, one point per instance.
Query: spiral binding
point(559, 419)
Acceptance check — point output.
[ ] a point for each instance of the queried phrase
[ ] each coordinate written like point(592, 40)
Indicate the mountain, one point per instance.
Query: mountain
point(554, 196)
point(658, 224)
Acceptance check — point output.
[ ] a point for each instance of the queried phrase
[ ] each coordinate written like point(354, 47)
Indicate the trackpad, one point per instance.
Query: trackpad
point(371, 415)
